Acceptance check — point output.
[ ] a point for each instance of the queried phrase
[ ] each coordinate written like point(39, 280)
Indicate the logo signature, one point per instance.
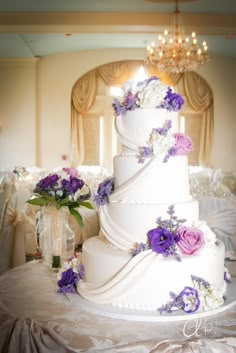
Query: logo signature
point(198, 328)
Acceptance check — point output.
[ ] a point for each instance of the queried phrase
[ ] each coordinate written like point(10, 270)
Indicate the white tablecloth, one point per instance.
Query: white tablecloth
point(34, 318)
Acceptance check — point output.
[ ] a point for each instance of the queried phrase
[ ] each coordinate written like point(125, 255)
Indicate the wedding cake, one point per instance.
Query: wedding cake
point(153, 252)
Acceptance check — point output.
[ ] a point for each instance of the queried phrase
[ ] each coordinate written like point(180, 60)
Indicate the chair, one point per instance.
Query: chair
point(17, 231)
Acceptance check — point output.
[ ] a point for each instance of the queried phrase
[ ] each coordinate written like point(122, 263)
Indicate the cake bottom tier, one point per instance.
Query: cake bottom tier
point(143, 282)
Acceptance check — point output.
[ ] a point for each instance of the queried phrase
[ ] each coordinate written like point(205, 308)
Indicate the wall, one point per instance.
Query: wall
point(17, 113)
point(35, 106)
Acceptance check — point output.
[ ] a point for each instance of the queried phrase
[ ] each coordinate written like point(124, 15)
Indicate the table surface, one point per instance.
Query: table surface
point(35, 318)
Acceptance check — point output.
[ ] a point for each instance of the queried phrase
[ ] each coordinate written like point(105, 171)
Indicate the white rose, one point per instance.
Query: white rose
point(209, 235)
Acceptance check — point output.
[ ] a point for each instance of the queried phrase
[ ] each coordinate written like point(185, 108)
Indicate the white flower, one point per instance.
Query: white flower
point(209, 235)
point(127, 87)
point(152, 95)
point(160, 143)
point(210, 297)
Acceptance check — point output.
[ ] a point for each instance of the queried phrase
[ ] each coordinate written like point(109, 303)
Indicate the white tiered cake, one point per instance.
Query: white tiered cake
point(152, 242)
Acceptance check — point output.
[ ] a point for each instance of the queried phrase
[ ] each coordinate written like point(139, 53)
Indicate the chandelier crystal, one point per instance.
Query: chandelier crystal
point(175, 51)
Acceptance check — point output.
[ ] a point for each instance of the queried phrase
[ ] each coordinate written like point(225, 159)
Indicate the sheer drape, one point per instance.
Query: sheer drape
point(198, 94)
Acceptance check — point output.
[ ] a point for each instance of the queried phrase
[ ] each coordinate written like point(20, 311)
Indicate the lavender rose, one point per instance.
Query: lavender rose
point(183, 144)
point(161, 240)
point(190, 239)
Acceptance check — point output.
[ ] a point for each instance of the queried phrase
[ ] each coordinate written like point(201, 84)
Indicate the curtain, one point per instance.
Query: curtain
point(200, 98)
point(119, 72)
point(84, 92)
point(83, 97)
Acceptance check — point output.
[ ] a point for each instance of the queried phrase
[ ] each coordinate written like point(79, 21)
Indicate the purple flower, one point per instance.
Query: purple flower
point(104, 190)
point(200, 281)
point(163, 130)
point(144, 152)
point(118, 108)
point(227, 277)
point(172, 101)
point(161, 240)
point(190, 299)
point(46, 183)
point(139, 248)
point(130, 101)
point(68, 279)
point(171, 153)
point(72, 185)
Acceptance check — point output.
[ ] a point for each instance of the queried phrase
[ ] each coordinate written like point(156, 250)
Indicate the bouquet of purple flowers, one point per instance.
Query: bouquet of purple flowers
point(63, 189)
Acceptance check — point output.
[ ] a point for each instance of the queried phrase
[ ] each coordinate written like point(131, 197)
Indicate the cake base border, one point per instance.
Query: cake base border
point(110, 311)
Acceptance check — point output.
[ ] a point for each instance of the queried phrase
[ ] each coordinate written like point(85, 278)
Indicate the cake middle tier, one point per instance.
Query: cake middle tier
point(152, 181)
point(125, 224)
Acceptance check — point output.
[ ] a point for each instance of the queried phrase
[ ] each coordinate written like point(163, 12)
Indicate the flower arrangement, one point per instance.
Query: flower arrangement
point(201, 296)
point(147, 94)
point(162, 142)
point(62, 189)
point(105, 188)
point(171, 238)
point(70, 275)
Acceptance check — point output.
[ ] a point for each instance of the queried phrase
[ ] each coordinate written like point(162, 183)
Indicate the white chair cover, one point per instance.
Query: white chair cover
point(17, 232)
point(220, 214)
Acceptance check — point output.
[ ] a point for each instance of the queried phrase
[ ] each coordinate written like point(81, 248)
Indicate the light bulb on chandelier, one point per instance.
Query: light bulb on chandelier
point(175, 52)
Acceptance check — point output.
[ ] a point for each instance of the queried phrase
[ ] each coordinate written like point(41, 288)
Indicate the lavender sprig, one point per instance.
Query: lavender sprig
point(139, 248)
point(144, 153)
point(172, 223)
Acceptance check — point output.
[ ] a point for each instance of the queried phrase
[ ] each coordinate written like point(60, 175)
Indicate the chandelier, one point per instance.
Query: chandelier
point(177, 52)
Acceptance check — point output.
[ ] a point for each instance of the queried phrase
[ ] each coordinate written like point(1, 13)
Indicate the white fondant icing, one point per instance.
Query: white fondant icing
point(152, 181)
point(134, 128)
point(144, 281)
point(143, 192)
point(123, 224)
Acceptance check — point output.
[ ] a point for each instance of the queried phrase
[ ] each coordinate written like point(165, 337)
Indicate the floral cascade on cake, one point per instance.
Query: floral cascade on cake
point(140, 255)
point(202, 296)
point(70, 274)
point(148, 94)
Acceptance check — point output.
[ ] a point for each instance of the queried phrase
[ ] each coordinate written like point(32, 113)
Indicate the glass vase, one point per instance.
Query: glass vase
point(56, 238)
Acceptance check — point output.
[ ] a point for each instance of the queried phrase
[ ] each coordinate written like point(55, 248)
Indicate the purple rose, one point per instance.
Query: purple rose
point(190, 239)
point(183, 144)
point(46, 182)
point(190, 299)
point(72, 185)
point(161, 240)
point(67, 278)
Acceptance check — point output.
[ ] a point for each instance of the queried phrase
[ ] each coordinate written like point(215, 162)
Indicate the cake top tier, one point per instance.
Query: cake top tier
point(148, 94)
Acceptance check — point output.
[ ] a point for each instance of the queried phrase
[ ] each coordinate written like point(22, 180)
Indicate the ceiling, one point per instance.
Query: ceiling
point(30, 28)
